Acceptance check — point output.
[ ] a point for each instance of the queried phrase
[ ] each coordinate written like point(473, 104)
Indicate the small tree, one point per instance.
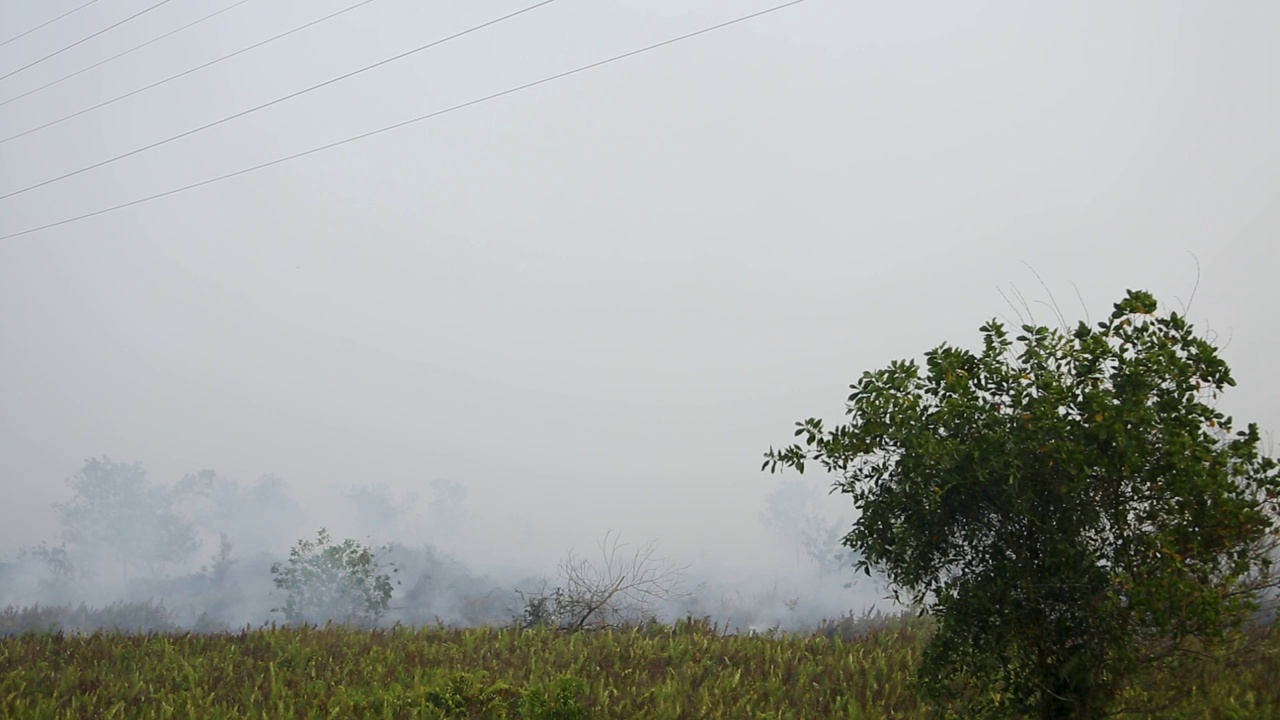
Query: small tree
point(324, 581)
point(1072, 510)
point(56, 568)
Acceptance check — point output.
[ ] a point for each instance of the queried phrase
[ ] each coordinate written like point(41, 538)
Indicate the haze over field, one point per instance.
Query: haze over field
point(592, 304)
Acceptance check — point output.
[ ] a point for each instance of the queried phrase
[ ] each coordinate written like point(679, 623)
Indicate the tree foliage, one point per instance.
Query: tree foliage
point(258, 515)
point(325, 581)
point(793, 513)
point(1069, 505)
point(117, 509)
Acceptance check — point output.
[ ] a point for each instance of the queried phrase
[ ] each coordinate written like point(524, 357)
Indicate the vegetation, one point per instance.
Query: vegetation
point(326, 581)
point(620, 590)
point(856, 669)
point(118, 617)
point(687, 670)
point(1082, 533)
point(793, 517)
point(116, 510)
point(1072, 510)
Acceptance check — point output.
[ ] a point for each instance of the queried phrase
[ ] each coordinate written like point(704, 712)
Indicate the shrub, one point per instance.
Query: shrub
point(328, 582)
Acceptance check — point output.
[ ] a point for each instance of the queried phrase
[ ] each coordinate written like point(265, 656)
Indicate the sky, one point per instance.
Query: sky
point(595, 302)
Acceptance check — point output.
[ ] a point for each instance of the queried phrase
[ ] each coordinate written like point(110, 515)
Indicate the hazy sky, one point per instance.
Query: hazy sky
point(596, 302)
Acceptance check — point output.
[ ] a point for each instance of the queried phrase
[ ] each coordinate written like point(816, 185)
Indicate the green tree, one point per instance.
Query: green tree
point(1069, 506)
point(326, 581)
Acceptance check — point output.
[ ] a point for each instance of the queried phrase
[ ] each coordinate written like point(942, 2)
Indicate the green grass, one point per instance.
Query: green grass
point(687, 671)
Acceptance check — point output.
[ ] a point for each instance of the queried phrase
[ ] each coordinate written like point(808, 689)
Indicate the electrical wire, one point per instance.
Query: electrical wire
point(47, 22)
point(158, 83)
point(420, 118)
point(59, 52)
point(126, 52)
point(278, 100)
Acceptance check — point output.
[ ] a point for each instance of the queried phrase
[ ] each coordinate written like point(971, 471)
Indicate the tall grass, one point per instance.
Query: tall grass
point(854, 668)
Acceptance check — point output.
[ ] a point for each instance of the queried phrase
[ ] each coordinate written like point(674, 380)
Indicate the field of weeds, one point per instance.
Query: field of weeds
point(684, 671)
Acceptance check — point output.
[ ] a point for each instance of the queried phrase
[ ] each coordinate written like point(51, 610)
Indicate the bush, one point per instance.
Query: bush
point(328, 582)
point(137, 617)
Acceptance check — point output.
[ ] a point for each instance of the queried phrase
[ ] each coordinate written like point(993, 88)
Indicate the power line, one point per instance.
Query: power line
point(126, 52)
point(59, 52)
point(278, 100)
point(398, 125)
point(186, 72)
point(47, 22)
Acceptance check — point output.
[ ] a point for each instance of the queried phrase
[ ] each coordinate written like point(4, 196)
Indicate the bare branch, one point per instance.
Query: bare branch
point(624, 587)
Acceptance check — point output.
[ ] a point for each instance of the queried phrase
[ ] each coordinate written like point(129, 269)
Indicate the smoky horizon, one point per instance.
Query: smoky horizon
point(574, 301)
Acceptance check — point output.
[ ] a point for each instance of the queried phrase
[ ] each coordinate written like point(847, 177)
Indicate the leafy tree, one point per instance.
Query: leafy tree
point(56, 560)
point(50, 572)
point(324, 581)
point(1069, 506)
point(447, 512)
point(117, 509)
point(261, 515)
point(793, 512)
point(374, 507)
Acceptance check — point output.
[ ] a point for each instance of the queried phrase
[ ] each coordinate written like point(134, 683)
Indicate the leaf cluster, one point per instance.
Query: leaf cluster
point(1071, 506)
point(116, 508)
point(325, 581)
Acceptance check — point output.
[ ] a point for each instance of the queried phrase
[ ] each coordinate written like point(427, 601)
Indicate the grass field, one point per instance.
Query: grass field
point(686, 671)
